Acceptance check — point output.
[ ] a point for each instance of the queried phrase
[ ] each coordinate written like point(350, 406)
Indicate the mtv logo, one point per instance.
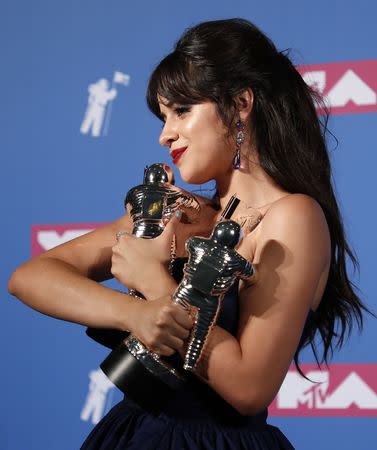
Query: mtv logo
point(347, 87)
point(343, 390)
point(45, 237)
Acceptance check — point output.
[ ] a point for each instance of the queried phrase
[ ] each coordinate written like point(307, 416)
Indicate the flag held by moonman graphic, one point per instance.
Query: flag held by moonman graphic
point(121, 78)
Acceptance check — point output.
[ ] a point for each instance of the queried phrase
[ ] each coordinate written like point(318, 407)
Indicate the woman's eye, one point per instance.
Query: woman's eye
point(182, 110)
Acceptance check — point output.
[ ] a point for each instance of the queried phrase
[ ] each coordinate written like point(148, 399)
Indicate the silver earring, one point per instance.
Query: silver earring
point(239, 141)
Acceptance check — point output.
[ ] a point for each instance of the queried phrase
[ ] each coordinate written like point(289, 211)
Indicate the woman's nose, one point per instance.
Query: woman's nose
point(168, 135)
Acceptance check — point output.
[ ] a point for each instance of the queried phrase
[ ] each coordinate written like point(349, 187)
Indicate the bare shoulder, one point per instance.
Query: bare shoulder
point(287, 220)
point(297, 224)
point(293, 217)
point(295, 209)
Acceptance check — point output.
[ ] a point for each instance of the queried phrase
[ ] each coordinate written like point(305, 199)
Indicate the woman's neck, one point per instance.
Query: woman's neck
point(250, 184)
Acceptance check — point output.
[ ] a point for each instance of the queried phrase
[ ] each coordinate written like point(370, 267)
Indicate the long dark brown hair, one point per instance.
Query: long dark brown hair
point(219, 59)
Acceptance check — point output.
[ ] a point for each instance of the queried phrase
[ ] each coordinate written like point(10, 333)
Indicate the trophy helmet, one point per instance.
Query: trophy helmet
point(227, 232)
point(158, 173)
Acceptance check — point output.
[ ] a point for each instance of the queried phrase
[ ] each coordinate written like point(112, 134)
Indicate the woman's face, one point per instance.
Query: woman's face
point(198, 141)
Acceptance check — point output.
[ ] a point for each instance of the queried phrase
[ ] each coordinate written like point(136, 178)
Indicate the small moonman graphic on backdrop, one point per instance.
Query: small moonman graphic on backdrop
point(95, 402)
point(98, 111)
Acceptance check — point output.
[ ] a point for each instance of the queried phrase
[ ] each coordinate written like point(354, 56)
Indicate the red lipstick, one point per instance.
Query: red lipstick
point(177, 153)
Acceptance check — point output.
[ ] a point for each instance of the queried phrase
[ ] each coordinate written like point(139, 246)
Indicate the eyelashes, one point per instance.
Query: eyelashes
point(179, 111)
point(182, 110)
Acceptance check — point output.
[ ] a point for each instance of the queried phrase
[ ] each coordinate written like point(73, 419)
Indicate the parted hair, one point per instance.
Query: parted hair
point(216, 61)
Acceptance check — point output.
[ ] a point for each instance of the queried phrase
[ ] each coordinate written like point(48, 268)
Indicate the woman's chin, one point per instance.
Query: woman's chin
point(192, 177)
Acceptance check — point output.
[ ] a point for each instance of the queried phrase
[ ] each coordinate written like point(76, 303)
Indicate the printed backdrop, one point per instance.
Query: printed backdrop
point(75, 136)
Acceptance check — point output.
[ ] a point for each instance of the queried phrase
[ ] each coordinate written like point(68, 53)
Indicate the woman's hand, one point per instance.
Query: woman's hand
point(162, 325)
point(142, 264)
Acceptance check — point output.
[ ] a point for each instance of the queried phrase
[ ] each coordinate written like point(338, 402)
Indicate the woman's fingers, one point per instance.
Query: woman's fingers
point(164, 326)
point(172, 223)
point(182, 317)
point(175, 321)
point(166, 346)
point(169, 338)
point(163, 350)
point(178, 331)
point(169, 312)
point(168, 235)
point(173, 342)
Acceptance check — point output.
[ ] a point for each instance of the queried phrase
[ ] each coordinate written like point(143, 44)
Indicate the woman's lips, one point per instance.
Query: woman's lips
point(177, 153)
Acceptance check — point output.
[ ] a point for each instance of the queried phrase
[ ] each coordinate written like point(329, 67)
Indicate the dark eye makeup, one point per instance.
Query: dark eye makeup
point(179, 110)
point(182, 109)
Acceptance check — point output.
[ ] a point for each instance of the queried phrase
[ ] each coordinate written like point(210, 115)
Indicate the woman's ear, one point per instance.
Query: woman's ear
point(244, 103)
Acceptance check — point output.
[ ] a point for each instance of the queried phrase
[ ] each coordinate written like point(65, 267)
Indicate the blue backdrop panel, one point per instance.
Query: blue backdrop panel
point(55, 170)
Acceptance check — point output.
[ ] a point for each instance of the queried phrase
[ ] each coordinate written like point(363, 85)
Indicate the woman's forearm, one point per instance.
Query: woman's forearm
point(163, 284)
point(213, 367)
point(220, 365)
point(57, 289)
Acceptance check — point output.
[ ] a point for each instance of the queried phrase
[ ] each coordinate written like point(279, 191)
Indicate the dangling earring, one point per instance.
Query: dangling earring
point(239, 141)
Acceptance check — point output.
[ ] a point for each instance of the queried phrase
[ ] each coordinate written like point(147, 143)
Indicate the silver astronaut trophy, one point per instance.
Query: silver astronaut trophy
point(131, 366)
point(212, 268)
point(156, 199)
point(149, 204)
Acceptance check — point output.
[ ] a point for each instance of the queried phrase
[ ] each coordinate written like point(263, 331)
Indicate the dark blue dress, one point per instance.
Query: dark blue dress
point(195, 419)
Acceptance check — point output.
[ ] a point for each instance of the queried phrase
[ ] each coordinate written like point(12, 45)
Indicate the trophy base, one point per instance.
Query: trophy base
point(107, 337)
point(138, 383)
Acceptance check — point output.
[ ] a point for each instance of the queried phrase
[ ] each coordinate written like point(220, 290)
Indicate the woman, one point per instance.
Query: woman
point(234, 110)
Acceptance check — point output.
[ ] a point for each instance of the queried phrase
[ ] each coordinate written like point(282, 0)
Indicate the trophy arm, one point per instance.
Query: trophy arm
point(206, 317)
point(247, 271)
point(186, 202)
point(206, 309)
point(107, 337)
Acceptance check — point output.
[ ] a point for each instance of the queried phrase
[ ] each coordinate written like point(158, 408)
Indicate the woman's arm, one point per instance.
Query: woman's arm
point(63, 282)
point(291, 261)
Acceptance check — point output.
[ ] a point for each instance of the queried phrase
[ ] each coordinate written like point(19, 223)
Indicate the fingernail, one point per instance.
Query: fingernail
point(178, 214)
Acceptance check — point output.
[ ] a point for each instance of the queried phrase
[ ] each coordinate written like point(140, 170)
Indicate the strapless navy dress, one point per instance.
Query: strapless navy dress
point(195, 419)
